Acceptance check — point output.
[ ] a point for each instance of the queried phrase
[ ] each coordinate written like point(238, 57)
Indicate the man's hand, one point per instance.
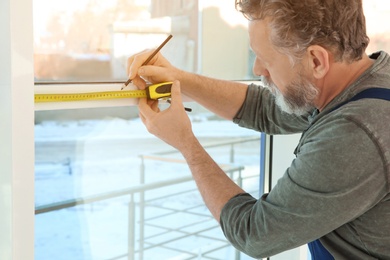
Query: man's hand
point(156, 71)
point(174, 127)
point(171, 125)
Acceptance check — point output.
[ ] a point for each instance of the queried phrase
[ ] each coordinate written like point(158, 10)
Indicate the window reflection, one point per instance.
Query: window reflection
point(88, 40)
point(107, 189)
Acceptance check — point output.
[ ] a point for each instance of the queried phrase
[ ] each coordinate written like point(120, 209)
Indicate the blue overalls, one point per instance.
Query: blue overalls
point(317, 250)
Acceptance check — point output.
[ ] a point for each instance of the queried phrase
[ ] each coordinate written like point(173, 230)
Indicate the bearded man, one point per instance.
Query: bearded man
point(311, 58)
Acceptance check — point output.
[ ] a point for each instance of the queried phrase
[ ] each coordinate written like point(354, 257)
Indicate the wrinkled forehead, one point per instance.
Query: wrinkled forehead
point(259, 33)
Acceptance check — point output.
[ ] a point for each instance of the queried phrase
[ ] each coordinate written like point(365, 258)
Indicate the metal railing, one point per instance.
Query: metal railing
point(148, 241)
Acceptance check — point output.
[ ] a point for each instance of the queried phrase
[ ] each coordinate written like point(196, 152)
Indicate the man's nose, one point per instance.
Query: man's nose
point(259, 69)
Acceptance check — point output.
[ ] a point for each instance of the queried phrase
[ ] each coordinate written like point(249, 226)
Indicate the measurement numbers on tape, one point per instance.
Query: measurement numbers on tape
point(155, 91)
point(42, 98)
point(161, 91)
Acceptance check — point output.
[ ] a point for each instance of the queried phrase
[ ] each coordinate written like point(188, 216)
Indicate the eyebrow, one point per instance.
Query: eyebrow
point(258, 56)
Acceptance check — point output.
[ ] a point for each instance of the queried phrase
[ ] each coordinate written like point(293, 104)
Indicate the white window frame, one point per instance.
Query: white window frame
point(16, 130)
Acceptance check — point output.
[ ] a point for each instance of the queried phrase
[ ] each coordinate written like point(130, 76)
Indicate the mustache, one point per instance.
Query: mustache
point(268, 83)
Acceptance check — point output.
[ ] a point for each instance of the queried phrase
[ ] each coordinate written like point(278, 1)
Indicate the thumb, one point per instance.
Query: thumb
point(157, 73)
point(176, 94)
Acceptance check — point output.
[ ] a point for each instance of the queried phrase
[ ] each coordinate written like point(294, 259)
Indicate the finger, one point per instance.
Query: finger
point(135, 62)
point(176, 94)
point(144, 109)
point(153, 104)
point(154, 74)
point(139, 82)
point(143, 119)
point(129, 64)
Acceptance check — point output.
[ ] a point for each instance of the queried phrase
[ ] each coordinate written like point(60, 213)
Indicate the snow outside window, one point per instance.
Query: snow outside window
point(104, 187)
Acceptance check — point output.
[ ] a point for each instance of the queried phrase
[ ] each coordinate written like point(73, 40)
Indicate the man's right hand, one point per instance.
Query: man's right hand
point(222, 97)
point(157, 70)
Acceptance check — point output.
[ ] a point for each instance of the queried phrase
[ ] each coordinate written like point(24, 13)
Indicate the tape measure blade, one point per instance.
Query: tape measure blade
point(41, 98)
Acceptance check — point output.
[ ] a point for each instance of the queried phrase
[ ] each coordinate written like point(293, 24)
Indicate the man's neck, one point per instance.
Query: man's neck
point(340, 76)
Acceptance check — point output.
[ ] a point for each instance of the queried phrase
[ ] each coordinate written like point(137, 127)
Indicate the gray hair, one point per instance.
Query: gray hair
point(337, 25)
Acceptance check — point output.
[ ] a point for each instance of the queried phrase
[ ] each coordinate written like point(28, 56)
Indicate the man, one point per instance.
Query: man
point(311, 56)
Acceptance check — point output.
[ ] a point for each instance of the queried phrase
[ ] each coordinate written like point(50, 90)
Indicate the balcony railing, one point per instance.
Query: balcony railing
point(197, 222)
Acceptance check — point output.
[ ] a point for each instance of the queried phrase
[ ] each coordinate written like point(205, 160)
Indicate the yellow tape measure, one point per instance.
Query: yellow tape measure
point(155, 91)
point(42, 98)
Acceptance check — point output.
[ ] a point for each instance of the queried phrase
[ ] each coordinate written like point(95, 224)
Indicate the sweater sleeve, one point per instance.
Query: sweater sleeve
point(260, 113)
point(326, 187)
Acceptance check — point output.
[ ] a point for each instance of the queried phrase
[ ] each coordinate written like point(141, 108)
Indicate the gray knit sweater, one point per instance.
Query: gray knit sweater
point(336, 189)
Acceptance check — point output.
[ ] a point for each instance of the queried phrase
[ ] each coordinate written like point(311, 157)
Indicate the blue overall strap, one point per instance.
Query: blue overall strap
point(376, 93)
point(317, 250)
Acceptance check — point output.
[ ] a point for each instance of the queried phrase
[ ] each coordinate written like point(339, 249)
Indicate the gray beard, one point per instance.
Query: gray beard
point(298, 100)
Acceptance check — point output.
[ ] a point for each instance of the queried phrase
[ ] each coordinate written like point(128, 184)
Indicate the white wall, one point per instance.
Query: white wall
point(282, 155)
point(16, 131)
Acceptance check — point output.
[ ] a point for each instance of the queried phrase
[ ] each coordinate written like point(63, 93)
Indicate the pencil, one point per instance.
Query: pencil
point(149, 58)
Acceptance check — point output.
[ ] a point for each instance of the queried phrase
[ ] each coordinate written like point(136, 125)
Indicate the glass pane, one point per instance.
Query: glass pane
point(90, 40)
point(377, 12)
point(135, 195)
point(105, 188)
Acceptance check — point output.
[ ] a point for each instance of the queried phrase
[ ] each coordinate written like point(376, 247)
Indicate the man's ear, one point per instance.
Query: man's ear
point(319, 61)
